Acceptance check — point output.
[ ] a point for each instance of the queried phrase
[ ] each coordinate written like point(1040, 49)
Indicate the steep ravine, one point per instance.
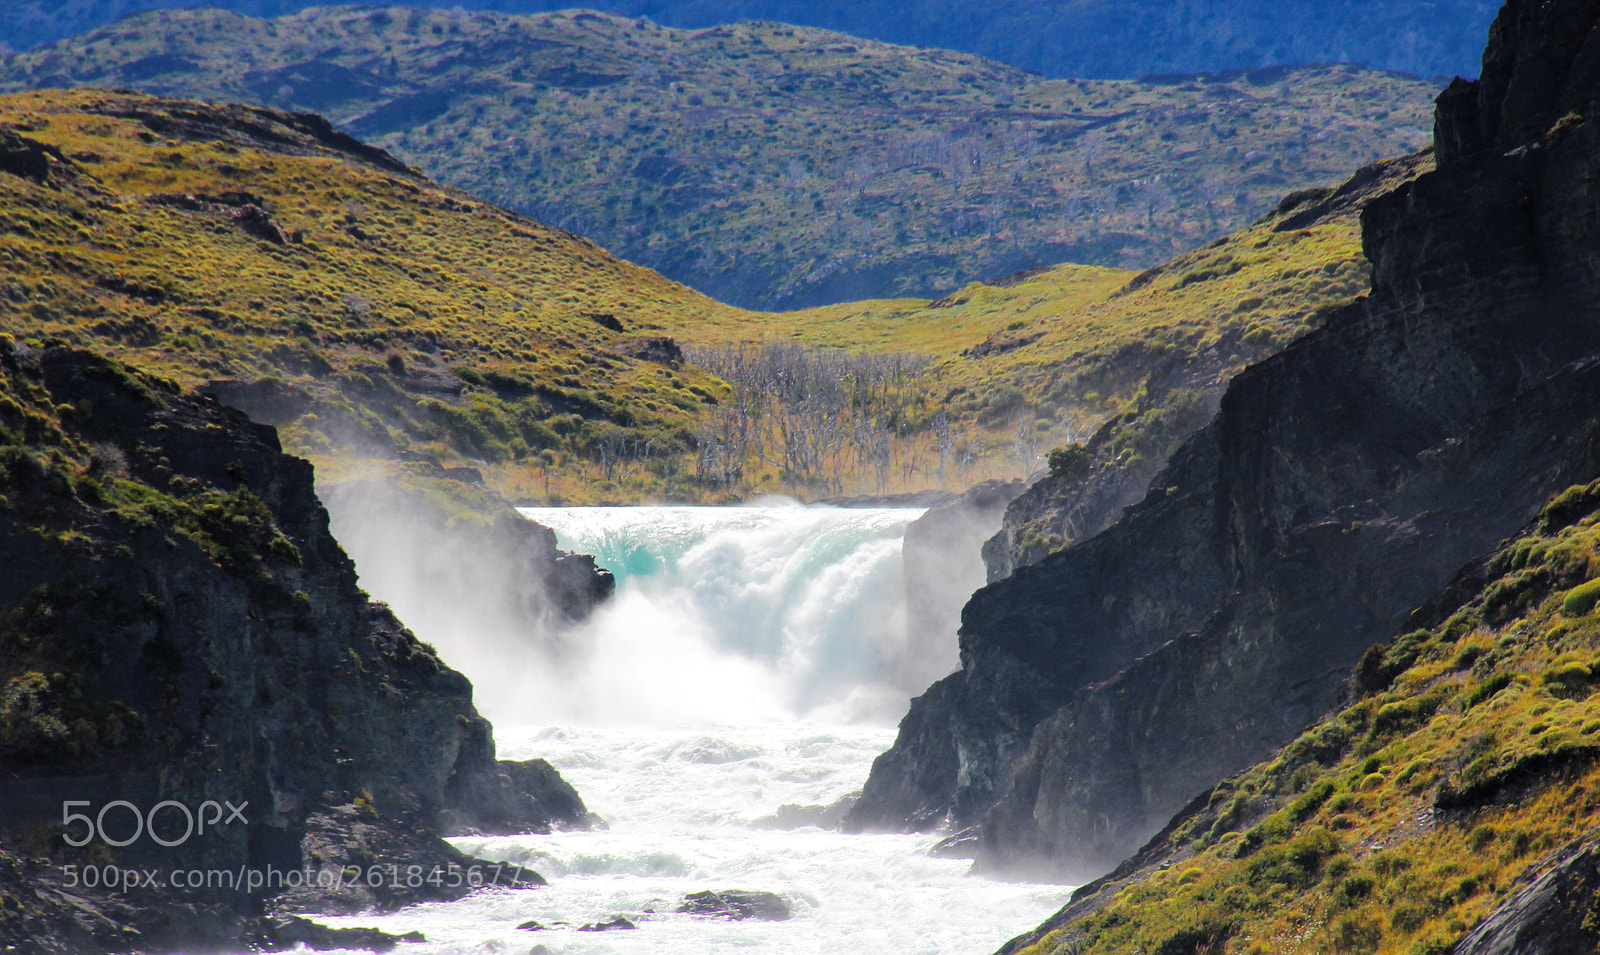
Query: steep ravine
point(1341, 484)
point(178, 624)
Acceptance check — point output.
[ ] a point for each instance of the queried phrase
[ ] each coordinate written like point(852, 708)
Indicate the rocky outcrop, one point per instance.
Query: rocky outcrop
point(178, 628)
point(446, 552)
point(1552, 912)
point(453, 558)
point(1342, 483)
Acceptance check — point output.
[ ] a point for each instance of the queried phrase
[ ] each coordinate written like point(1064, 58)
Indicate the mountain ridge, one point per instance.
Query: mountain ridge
point(1057, 38)
point(778, 167)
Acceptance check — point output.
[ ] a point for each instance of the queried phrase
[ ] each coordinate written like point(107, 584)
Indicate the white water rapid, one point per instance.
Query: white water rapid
point(752, 659)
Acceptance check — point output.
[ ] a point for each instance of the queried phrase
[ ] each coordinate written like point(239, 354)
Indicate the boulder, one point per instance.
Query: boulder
point(737, 905)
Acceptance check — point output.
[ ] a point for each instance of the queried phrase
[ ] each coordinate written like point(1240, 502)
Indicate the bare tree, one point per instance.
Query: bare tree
point(944, 442)
point(1156, 198)
point(1091, 148)
point(812, 414)
point(1024, 442)
point(1210, 192)
point(611, 446)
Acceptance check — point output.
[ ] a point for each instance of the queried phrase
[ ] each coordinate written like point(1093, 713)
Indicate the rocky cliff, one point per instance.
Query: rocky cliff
point(1341, 484)
point(179, 628)
point(437, 544)
point(1450, 805)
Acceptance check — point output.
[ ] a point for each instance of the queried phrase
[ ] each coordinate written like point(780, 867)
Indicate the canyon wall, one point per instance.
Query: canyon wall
point(1342, 483)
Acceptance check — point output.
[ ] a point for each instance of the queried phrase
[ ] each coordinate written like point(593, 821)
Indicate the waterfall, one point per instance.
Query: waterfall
point(715, 712)
point(767, 612)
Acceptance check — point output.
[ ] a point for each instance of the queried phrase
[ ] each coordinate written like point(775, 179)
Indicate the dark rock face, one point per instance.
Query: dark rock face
point(436, 543)
point(31, 159)
point(1342, 483)
point(1056, 511)
point(1550, 914)
point(525, 796)
point(737, 905)
point(661, 350)
point(444, 568)
point(177, 623)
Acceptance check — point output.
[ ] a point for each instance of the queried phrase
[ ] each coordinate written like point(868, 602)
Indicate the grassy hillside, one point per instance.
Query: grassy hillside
point(1054, 37)
point(222, 243)
point(372, 313)
point(1045, 358)
point(774, 166)
point(1467, 762)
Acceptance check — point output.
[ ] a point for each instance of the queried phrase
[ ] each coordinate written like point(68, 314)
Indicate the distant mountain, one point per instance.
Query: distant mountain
point(778, 167)
point(1085, 38)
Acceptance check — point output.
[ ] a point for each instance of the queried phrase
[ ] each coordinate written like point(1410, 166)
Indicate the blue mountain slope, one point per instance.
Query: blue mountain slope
point(1081, 38)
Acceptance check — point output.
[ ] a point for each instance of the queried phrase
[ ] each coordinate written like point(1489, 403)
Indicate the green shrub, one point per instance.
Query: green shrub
point(1336, 868)
point(1468, 655)
point(1353, 934)
point(1405, 714)
point(1238, 899)
point(1303, 808)
point(1411, 772)
point(1228, 819)
point(1352, 889)
point(1433, 945)
point(1581, 599)
point(1071, 463)
point(1567, 679)
point(1570, 506)
point(1485, 690)
point(1383, 662)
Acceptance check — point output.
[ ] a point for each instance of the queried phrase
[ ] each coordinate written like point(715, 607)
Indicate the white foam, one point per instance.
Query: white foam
point(681, 804)
point(753, 658)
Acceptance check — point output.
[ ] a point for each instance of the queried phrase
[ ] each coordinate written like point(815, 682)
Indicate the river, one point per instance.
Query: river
point(753, 658)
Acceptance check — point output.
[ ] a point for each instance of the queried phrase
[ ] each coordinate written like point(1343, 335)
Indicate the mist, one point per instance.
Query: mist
point(494, 596)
